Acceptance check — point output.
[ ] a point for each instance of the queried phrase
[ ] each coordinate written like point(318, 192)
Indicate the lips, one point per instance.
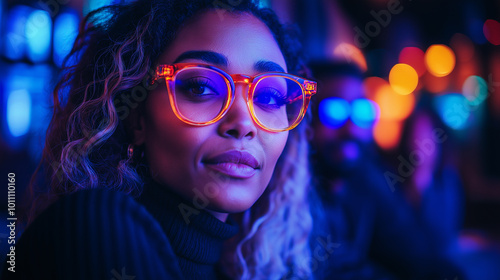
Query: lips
point(236, 164)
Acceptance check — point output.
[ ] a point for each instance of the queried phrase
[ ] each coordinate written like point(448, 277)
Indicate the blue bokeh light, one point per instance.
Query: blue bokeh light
point(91, 5)
point(454, 110)
point(65, 32)
point(18, 112)
point(14, 41)
point(334, 112)
point(364, 112)
point(1, 15)
point(38, 32)
point(475, 31)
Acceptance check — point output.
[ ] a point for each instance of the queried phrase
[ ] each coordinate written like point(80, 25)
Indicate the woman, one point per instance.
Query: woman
point(156, 107)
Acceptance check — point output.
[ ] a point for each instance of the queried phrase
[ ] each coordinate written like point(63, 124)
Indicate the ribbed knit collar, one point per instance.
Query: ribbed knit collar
point(198, 242)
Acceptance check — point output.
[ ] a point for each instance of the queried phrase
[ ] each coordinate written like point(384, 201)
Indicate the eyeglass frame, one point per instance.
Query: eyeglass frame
point(169, 72)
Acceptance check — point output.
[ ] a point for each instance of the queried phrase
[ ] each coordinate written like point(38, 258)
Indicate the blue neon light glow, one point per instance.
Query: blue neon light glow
point(18, 112)
point(364, 112)
point(334, 112)
point(65, 32)
point(38, 32)
point(454, 110)
point(14, 41)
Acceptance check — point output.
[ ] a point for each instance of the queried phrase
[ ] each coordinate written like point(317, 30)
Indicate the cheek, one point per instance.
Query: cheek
point(274, 144)
point(171, 146)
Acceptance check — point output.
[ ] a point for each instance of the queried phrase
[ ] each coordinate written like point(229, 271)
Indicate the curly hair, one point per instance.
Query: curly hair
point(87, 138)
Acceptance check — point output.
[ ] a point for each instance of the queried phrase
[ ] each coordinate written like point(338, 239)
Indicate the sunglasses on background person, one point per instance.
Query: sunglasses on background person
point(202, 94)
point(334, 112)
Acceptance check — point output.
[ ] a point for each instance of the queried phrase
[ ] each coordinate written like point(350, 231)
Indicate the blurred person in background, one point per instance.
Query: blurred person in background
point(377, 234)
point(433, 190)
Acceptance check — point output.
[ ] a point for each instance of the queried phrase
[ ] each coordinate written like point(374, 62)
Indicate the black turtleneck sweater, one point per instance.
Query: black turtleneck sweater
point(100, 234)
point(195, 235)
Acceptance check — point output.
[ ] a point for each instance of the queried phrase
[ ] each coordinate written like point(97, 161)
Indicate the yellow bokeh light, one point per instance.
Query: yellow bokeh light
point(440, 60)
point(393, 106)
point(403, 78)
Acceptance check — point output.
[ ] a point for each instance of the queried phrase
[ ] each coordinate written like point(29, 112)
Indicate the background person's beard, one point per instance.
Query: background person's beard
point(341, 158)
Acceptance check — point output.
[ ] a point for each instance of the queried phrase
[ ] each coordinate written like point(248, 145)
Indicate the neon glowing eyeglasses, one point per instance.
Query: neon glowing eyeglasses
point(334, 112)
point(202, 94)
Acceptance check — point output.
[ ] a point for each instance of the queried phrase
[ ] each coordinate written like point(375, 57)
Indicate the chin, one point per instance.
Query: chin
point(233, 201)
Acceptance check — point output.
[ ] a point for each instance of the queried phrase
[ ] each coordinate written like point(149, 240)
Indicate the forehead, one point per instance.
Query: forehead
point(241, 37)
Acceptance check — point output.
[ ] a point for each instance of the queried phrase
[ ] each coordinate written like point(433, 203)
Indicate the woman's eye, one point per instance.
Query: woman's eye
point(198, 87)
point(200, 90)
point(269, 97)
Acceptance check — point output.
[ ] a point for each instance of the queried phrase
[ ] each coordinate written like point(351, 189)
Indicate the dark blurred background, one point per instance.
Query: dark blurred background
point(450, 51)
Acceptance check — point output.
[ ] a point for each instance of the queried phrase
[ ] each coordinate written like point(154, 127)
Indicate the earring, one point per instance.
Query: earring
point(132, 153)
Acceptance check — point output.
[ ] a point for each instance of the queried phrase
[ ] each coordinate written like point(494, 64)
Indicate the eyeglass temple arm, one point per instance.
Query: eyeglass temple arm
point(310, 89)
point(163, 71)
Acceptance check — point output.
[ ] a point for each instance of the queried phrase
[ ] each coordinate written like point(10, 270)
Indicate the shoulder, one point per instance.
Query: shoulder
point(95, 234)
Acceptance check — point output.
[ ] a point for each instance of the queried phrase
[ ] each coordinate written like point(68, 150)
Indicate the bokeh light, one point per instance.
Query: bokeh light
point(403, 78)
point(18, 112)
point(464, 70)
point(454, 110)
point(494, 84)
point(475, 90)
point(14, 41)
point(435, 84)
point(440, 60)
point(491, 29)
point(91, 5)
point(364, 112)
point(350, 53)
point(387, 133)
point(38, 32)
point(393, 106)
point(65, 32)
point(475, 30)
point(463, 47)
point(371, 86)
point(414, 57)
point(334, 112)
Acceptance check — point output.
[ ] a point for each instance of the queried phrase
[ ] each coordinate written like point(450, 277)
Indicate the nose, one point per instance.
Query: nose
point(238, 122)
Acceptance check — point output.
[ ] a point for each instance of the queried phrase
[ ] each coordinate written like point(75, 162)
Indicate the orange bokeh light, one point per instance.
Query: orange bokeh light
point(440, 60)
point(371, 86)
point(393, 106)
point(387, 133)
point(403, 78)
point(350, 53)
point(436, 84)
point(414, 57)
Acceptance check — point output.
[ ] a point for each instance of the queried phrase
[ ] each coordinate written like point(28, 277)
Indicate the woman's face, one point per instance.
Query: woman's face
point(203, 163)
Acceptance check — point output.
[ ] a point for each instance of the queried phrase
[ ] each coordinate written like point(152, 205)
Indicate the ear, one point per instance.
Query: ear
point(139, 132)
point(136, 128)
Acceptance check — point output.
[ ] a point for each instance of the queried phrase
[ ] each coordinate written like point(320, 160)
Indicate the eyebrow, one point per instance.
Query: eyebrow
point(268, 66)
point(221, 60)
point(206, 56)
